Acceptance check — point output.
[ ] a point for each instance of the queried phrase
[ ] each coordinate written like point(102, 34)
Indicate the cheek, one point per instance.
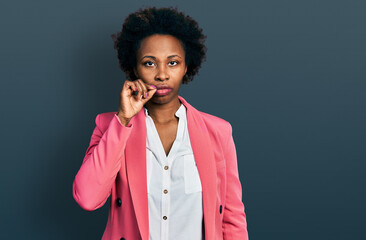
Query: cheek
point(179, 71)
point(144, 72)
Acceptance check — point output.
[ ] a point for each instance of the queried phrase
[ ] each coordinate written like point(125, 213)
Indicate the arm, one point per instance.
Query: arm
point(234, 219)
point(95, 178)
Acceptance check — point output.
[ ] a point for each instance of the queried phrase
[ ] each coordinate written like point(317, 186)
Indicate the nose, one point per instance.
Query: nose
point(162, 73)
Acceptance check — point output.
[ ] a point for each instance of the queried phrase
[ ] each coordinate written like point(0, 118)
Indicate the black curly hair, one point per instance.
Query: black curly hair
point(166, 20)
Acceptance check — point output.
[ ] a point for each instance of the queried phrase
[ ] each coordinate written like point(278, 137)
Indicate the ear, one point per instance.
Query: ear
point(185, 71)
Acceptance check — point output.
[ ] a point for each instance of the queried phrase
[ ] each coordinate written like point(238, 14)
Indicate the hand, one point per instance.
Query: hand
point(130, 103)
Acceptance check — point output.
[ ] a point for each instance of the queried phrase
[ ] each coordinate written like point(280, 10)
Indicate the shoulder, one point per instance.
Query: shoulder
point(102, 120)
point(215, 120)
point(213, 123)
point(216, 124)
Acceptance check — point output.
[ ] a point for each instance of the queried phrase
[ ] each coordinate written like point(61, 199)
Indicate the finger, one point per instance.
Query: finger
point(150, 86)
point(133, 91)
point(144, 88)
point(128, 86)
point(139, 89)
point(150, 94)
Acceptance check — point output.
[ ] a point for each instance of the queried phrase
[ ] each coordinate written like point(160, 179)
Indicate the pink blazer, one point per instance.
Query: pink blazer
point(115, 165)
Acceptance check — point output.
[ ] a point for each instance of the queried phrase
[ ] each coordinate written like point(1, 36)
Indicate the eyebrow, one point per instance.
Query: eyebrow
point(155, 57)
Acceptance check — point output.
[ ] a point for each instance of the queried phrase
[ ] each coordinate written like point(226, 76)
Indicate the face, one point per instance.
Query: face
point(160, 61)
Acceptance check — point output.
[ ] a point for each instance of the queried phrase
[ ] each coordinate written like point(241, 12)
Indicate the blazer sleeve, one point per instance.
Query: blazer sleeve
point(234, 219)
point(93, 182)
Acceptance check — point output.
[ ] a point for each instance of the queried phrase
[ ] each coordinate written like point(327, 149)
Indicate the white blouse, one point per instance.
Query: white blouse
point(174, 186)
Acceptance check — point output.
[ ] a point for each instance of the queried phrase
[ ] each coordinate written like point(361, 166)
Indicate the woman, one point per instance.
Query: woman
point(171, 170)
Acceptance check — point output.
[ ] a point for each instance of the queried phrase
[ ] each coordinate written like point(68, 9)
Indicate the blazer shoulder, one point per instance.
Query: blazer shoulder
point(102, 120)
point(216, 123)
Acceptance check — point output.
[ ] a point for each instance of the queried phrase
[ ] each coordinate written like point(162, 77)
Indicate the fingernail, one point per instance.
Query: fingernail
point(153, 86)
point(145, 95)
point(135, 88)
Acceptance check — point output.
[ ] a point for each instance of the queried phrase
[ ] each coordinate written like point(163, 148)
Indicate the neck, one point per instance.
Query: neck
point(163, 113)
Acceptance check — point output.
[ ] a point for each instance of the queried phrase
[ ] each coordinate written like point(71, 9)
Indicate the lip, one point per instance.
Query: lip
point(162, 87)
point(163, 90)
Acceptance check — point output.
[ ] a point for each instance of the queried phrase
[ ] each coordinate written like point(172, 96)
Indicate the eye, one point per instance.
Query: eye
point(174, 62)
point(148, 62)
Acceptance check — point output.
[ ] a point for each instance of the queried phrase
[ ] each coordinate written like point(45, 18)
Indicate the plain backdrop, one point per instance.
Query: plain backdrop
point(288, 75)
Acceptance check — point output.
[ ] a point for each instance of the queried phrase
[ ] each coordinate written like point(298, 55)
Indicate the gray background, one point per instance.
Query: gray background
point(288, 75)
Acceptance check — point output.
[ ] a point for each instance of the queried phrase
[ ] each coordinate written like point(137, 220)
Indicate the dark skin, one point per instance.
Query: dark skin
point(160, 61)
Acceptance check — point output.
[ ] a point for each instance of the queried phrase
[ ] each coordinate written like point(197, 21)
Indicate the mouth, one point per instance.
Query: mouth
point(163, 91)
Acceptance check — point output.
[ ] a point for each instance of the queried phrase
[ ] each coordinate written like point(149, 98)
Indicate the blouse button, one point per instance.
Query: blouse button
point(165, 191)
point(165, 217)
point(119, 202)
point(166, 167)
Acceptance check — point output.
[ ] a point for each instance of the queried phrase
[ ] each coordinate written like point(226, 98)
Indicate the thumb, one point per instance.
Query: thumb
point(150, 93)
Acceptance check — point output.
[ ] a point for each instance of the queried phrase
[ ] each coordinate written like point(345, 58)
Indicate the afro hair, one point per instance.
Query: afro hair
point(167, 20)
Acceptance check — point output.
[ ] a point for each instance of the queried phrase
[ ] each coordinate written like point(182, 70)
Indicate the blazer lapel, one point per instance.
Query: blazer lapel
point(136, 168)
point(136, 172)
point(206, 165)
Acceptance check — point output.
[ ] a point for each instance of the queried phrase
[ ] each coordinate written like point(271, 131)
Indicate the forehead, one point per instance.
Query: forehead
point(159, 45)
